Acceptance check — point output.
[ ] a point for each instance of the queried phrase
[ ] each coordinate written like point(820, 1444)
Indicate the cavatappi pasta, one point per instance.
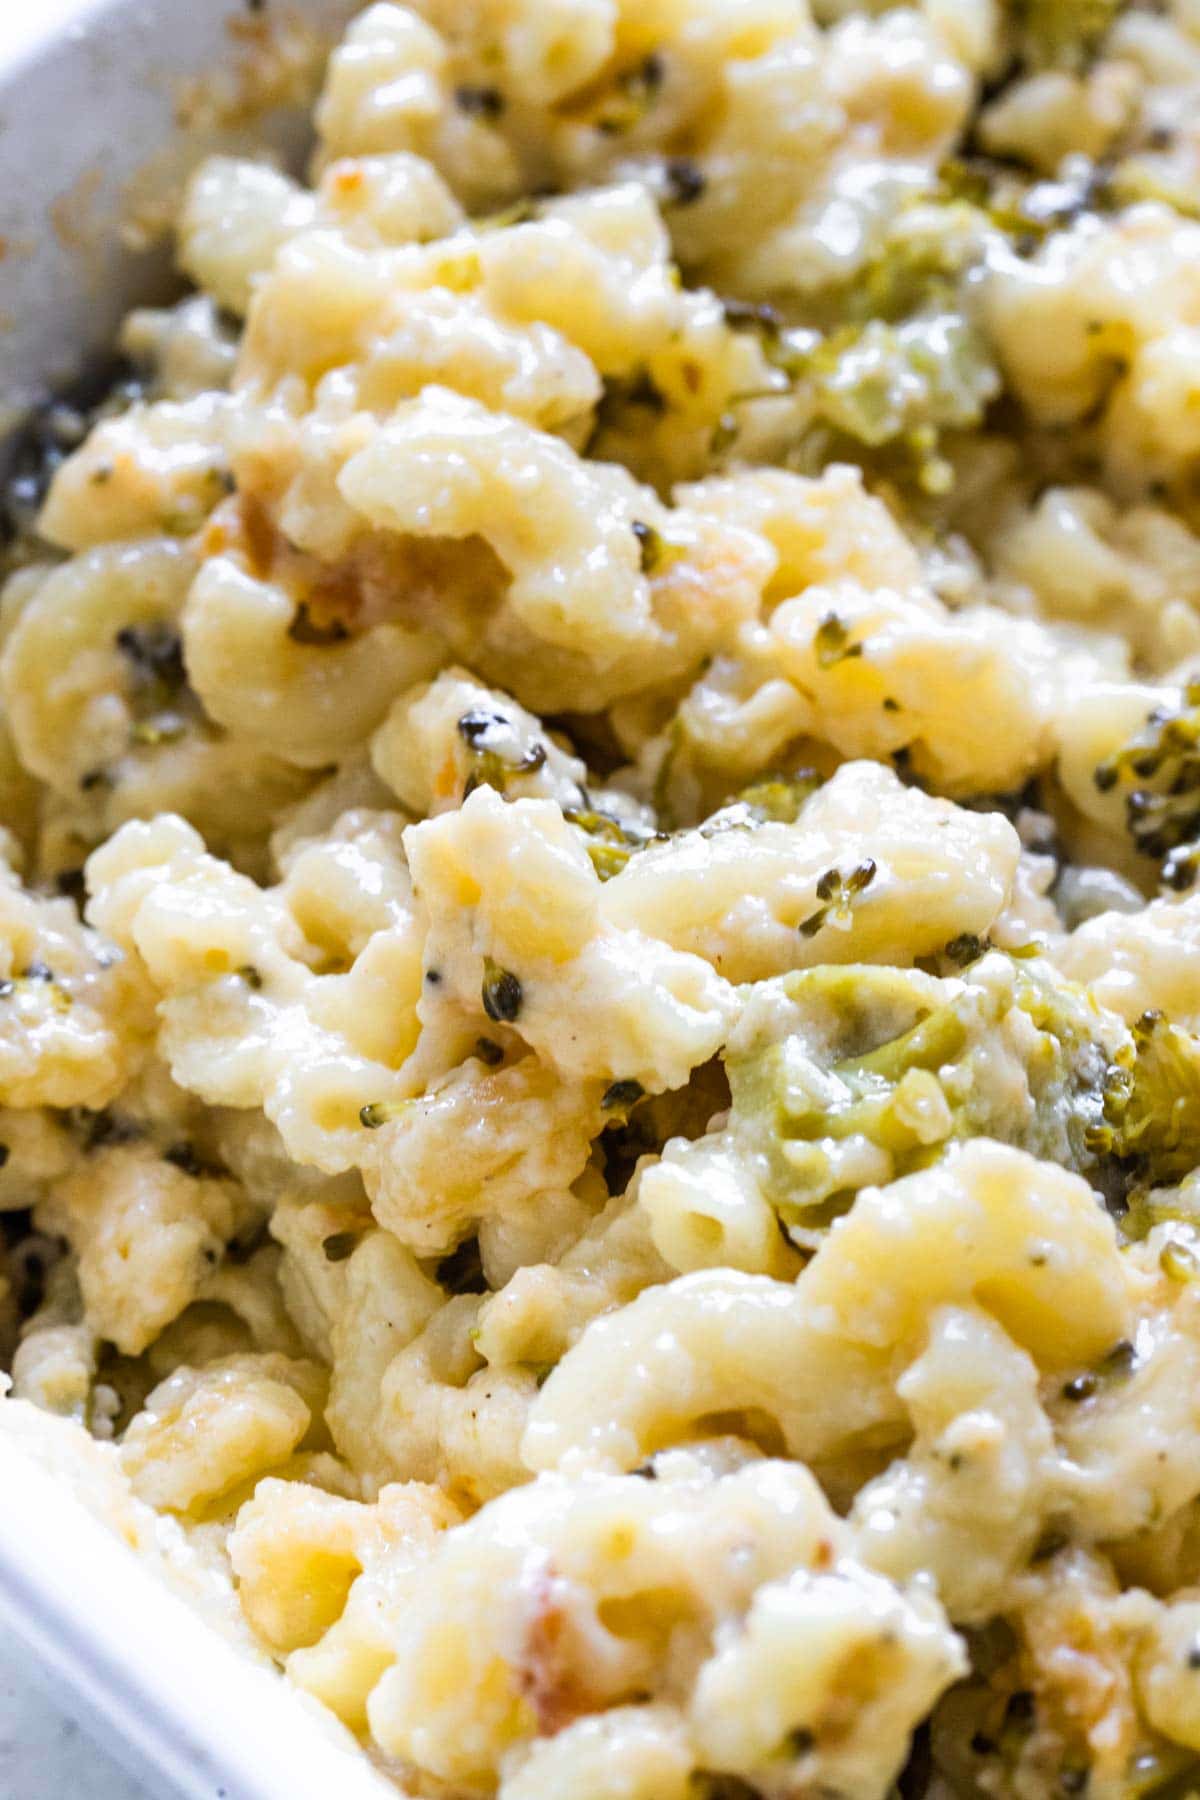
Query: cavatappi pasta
point(600, 913)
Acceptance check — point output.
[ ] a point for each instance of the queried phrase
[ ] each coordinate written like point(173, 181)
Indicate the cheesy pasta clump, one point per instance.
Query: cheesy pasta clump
point(600, 904)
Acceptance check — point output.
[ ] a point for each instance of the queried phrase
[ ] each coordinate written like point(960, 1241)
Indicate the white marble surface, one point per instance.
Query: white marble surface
point(43, 1755)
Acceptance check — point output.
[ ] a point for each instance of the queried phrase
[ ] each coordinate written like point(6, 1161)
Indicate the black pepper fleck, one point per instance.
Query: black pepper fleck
point(475, 725)
point(479, 102)
point(685, 181)
point(339, 1246)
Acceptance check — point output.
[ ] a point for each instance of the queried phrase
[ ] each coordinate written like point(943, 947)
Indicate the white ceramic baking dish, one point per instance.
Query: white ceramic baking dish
point(136, 1667)
point(91, 93)
point(89, 101)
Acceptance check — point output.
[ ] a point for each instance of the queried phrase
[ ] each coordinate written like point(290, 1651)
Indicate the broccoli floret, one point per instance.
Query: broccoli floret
point(885, 1067)
point(877, 381)
point(906, 364)
point(1159, 772)
point(889, 394)
point(892, 359)
point(871, 1095)
point(1151, 1104)
point(920, 265)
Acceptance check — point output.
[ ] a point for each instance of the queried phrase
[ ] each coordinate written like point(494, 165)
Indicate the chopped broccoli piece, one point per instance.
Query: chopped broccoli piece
point(920, 266)
point(995, 190)
point(777, 799)
point(658, 553)
point(877, 381)
point(635, 91)
point(884, 1067)
point(892, 359)
point(496, 756)
point(833, 643)
point(902, 386)
point(156, 689)
point(502, 993)
point(1151, 1104)
point(1159, 769)
point(381, 1112)
point(965, 949)
point(838, 892)
point(610, 843)
point(904, 362)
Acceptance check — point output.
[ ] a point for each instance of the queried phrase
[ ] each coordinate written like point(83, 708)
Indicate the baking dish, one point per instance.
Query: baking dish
point(138, 1669)
point(93, 99)
point(89, 124)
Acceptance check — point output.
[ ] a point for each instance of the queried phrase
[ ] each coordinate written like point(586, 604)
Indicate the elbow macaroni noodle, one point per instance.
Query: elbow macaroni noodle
point(599, 941)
